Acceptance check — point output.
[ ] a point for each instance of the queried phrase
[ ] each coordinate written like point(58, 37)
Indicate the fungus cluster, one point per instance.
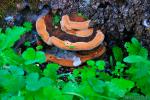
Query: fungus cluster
point(74, 35)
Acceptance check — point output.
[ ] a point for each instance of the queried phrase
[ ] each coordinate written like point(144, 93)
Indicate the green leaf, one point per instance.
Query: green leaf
point(51, 71)
point(139, 73)
point(16, 70)
point(119, 87)
point(123, 83)
point(11, 36)
point(10, 78)
point(44, 81)
point(133, 59)
point(31, 56)
point(135, 96)
point(143, 83)
point(100, 64)
point(27, 44)
point(118, 54)
point(39, 47)
point(90, 63)
point(40, 57)
point(81, 15)
point(86, 90)
point(11, 57)
point(111, 60)
point(33, 83)
point(119, 68)
point(139, 69)
point(76, 72)
point(87, 73)
point(56, 19)
point(4, 77)
point(17, 98)
point(53, 93)
point(135, 48)
point(0, 30)
point(143, 52)
point(105, 76)
point(28, 26)
point(32, 68)
point(72, 47)
point(2, 40)
point(97, 85)
point(71, 87)
point(4, 72)
point(135, 42)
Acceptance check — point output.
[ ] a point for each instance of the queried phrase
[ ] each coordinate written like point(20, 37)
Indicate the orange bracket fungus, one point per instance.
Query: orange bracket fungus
point(73, 34)
point(68, 24)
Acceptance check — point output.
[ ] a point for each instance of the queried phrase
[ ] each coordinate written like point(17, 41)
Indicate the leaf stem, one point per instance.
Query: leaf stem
point(76, 94)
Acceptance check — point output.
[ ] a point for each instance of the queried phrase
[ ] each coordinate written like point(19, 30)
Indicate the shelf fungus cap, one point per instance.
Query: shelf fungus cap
point(67, 23)
point(66, 41)
point(85, 39)
point(78, 46)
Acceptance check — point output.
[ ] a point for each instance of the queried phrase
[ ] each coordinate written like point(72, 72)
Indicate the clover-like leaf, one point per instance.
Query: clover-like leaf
point(100, 64)
point(91, 63)
point(16, 70)
point(51, 71)
point(40, 57)
point(31, 56)
point(33, 82)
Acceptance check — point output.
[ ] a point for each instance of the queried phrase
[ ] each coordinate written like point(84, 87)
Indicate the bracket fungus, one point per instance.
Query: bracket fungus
point(73, 34)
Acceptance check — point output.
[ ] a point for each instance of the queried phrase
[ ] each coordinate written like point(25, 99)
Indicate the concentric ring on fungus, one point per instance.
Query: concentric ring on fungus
point(78, 43)
point(80, 30)
point(69, 41)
